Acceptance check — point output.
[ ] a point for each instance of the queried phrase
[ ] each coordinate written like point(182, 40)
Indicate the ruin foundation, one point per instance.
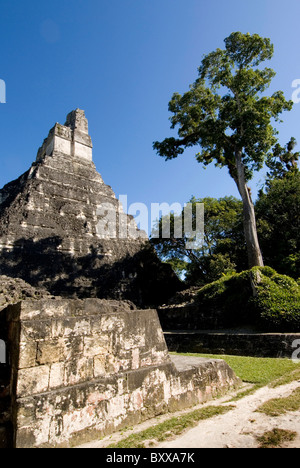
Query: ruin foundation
point(81, 369)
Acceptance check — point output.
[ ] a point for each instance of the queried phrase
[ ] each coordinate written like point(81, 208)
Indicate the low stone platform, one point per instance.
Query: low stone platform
point(83, 369)
point(241, 342)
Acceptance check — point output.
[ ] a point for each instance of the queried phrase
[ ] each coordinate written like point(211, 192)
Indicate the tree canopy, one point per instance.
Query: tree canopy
point(223, 112)
point(282, 161)
point(226, 114)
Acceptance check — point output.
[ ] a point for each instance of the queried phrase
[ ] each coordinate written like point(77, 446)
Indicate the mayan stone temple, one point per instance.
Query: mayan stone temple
point(50, 227)
point(85, 354)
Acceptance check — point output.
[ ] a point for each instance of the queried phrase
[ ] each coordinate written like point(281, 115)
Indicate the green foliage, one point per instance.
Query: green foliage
point(278, 302)
point(225, 110)
point(179, 266)
point(259, 297)
point(278, 224)
point(230, 295)
point(282, 162)
point(223, 249)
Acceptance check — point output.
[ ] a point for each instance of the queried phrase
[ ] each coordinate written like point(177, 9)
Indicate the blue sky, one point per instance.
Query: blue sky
point(121, 61)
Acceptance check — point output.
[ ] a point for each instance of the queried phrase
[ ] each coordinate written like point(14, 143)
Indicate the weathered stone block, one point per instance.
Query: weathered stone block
point(99, 365)
point(97, 345)
point(27, 354)
point(70, 327)
point(80, 384)
point(35, 330)
point(51, 351)
point(57, 375)
point(78, 370)
point(73, 347)
point(135, 358)
point(32, 381)
point(26, 413)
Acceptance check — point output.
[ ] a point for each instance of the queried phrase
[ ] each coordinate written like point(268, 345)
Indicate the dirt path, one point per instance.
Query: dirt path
point(237, 429)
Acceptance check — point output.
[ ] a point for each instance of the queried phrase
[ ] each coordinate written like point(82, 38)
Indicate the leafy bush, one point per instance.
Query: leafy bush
point(258, 297)
point(278, 302)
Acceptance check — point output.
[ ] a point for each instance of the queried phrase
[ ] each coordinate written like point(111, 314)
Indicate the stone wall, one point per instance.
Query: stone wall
point(191, 316)
point(5, 397)
point(271, 345)
point(81, 369)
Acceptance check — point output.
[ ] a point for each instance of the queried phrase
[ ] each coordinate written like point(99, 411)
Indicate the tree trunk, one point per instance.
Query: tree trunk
point(253, 248)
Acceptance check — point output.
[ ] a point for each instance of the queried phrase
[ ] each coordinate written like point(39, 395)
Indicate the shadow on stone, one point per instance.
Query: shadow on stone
point(140, 278)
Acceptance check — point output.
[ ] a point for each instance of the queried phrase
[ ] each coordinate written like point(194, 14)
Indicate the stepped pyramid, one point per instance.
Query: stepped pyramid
point(63, 229)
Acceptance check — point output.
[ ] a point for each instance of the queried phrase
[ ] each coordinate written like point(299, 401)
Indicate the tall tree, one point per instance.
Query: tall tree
point(227, 115)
